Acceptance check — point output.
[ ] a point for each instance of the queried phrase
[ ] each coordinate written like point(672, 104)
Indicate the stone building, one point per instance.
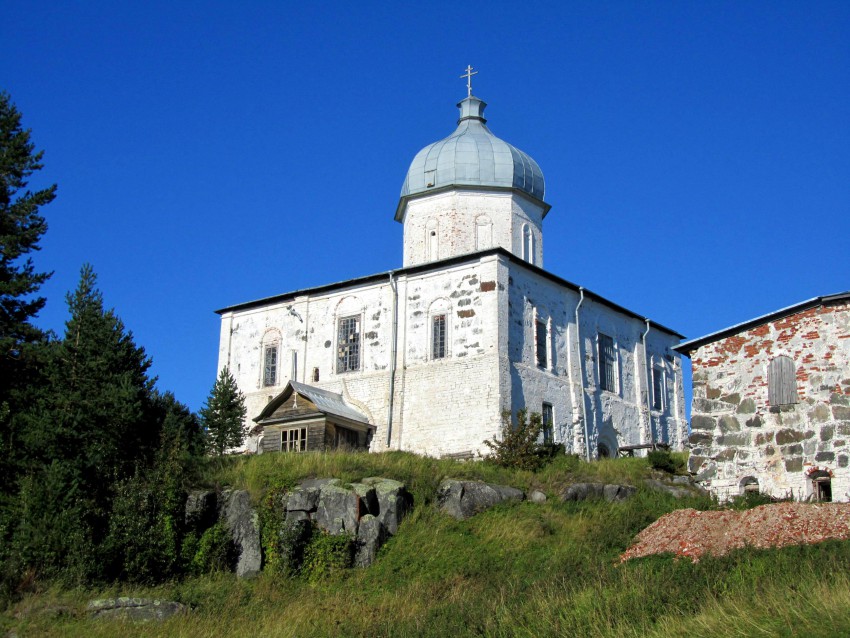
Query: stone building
point(771, 403)
point(431, 354)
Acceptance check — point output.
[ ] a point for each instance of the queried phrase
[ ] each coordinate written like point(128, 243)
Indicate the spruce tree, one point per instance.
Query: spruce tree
point(223, 415)
point(21, 228)
point(94, 425)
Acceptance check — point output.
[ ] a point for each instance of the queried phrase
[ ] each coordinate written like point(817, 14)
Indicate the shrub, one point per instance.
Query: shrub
point(664, 461)
point(327, 554)
point(518, 448)
point(215, 551)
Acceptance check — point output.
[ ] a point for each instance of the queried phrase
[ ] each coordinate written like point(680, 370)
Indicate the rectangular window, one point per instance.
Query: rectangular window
point(348, 345)
point(548, 423)
point(438, 337)
point(293, 440)
point(542, 344)
point(270, 366)
point(658, 388)
point(607, 363)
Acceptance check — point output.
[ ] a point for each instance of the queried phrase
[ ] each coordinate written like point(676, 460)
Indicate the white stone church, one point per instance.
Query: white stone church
point(427, 357)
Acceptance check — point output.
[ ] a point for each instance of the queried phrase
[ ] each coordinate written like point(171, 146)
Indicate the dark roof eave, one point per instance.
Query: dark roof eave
point(689, 346)
point(434, 265)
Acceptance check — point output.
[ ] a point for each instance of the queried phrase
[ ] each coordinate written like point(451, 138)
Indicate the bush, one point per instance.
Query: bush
point(518, 448)
point(664, 461)
point(327, 554)
point(215, 551)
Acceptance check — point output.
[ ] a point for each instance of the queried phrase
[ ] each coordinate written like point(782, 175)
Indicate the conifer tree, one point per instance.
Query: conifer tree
point(223, 415)
point(94, 425)
point(21, 228)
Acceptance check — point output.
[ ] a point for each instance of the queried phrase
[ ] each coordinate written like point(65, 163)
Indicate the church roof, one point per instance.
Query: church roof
point(473, 156)
point(439, 265)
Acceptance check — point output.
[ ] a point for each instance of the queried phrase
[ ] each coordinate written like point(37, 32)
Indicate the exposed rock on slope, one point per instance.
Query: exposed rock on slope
point(692, 533)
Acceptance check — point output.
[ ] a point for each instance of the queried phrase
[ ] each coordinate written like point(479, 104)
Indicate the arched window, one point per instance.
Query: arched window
point(781, 381)
point(271, 358)
point(439, 314)
point(749, 485)
point(821, 486)
point(349, 322)
point(483, 232)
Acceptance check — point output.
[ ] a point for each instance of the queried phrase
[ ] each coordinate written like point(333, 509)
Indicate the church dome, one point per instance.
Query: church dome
point(473, 156)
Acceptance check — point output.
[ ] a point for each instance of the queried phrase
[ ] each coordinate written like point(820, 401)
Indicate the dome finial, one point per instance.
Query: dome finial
point(468, 75)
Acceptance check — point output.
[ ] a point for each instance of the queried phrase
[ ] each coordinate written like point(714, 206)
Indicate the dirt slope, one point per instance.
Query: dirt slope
point(692, 533)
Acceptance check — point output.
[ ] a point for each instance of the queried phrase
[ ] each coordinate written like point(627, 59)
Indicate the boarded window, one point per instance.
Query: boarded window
point(348, 345)
point(658, 388)
point(438, 337)
point(781, 381)
point(270, 365)
point(542, 343)
point(483, 233)
point(607, 363)
point(548, 423)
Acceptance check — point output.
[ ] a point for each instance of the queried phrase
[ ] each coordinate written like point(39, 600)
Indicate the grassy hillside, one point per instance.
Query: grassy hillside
point(516, 570)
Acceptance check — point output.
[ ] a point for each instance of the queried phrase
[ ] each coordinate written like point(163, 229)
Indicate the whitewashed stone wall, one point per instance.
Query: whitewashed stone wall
point(617, 418)
point(465, 221)
point(452, 405)
point(736, 434)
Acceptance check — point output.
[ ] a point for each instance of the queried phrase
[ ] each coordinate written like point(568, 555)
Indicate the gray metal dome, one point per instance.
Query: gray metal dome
point(473, 156)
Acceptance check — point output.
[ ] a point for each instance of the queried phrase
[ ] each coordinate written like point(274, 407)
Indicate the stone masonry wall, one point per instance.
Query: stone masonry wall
point(736, 435)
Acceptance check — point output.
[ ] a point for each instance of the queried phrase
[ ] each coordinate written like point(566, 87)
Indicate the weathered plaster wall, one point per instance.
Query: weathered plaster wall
point(736, 433)
point(452, 405)
point(441, 406)
point(615, 418)
point(456, 216)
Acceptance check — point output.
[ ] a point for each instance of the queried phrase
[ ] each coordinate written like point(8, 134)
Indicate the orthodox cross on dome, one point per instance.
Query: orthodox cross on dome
point(468, 75)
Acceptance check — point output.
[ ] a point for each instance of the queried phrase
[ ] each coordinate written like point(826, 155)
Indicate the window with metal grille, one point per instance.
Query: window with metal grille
point(270, 365)
point(542, 338)
point(348, 345)
point(548, 423)
point(607, 363)
point(658, 388)
point(293, 440)
point(781, 381)
point(438, 337)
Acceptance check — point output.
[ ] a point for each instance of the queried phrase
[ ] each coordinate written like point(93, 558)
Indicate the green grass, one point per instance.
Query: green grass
point(516, 570)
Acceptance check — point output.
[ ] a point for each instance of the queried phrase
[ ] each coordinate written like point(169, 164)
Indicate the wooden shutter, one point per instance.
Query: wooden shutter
point(781, 381)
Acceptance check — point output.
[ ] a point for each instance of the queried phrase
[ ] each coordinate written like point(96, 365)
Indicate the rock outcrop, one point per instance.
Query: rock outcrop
point(241, 521)
point(135, 609)
point(370, 511)
point(598, 491)
point(464, 499)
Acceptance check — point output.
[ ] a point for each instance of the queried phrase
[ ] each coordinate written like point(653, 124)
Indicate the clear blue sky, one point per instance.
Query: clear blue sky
point(696, 154)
